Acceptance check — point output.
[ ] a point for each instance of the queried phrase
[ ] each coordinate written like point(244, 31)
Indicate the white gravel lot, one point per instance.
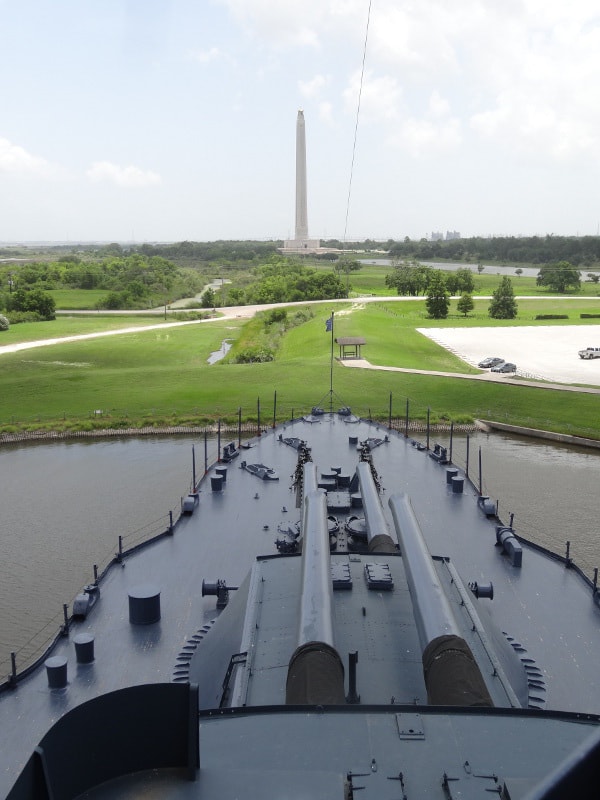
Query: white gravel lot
point(540, 352)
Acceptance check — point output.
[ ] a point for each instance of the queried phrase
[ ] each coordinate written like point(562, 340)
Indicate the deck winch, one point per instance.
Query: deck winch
point(218, 589)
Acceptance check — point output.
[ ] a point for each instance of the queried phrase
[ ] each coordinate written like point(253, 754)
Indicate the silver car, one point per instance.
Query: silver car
point(492, 361)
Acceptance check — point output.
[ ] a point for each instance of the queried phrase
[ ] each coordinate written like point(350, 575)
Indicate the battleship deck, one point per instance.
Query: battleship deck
point(547, 616)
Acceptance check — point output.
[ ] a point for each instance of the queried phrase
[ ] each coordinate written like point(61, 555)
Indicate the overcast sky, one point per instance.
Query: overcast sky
point(162, 120)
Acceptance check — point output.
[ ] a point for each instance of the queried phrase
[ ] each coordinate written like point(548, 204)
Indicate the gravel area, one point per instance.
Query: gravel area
point(548, 353)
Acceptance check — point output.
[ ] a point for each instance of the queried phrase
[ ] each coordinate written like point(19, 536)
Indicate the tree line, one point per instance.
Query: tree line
point(139, 281)
point(283, 280)
point(410, 278)
point(581, 251)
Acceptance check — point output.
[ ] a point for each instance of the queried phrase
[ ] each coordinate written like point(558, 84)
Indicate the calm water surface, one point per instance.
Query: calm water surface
point(65, 504)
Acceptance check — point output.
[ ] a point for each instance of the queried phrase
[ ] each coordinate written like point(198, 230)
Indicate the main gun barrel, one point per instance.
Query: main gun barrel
point(315, 672)
point(378, 534)
point(452, 676)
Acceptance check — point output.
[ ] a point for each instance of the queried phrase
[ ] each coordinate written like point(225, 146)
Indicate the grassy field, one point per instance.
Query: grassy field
point(370, 279)
point(78, 299)
point(72, 326)
point(414, 312)
point(163, 377)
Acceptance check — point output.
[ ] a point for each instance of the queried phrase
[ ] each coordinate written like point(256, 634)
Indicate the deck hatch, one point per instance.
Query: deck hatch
point(337, 501)
point(340, 575)
point(379, 576)
point(410, 727)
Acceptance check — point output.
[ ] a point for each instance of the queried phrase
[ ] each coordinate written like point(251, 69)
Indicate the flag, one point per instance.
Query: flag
point(329, 324)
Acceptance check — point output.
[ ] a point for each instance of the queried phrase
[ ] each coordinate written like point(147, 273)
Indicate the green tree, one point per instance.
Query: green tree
point(408, 278)
point(460, 282)
point(235, 297)
point(559, 276)
point(438, 299)
point(116, 300)
point(345, 265)
point(208, 298)
point(36, 300)
point(465, 304)
point(503, 305)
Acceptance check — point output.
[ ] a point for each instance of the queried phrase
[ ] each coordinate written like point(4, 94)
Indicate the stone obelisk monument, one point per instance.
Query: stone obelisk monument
point(301, 242)
point(301, 204)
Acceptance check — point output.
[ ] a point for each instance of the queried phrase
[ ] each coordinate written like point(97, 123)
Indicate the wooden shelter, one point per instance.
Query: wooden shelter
point(350, 346)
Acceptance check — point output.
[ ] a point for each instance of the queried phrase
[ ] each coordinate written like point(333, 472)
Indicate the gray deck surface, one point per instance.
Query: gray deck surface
point(543, 607)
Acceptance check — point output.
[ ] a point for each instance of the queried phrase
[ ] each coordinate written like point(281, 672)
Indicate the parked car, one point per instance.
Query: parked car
point(506, 366)
point(590, 352)
point(491, 361)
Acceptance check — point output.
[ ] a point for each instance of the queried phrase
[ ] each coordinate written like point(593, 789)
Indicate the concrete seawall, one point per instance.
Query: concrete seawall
point(564, 438)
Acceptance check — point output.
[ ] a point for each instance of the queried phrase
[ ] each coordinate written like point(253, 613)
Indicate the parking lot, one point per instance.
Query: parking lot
point(547, 353)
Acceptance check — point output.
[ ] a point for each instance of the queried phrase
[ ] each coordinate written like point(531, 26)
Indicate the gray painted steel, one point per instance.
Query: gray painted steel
point(315, 616)
point(536, 644)
point(433, 615)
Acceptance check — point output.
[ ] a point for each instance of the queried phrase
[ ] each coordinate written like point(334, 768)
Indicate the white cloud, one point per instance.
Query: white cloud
point(326, 112)
point(128, 177)
point(438, 105)
point(283, 23)
point(380, 96)
point(422, 137)
point(204, 56)
point(313, 87)
point(16, 159)
point(521, 73)
point(539, 71)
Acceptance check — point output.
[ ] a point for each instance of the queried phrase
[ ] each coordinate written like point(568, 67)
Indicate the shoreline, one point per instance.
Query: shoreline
point(250, 428)
point(535, 433)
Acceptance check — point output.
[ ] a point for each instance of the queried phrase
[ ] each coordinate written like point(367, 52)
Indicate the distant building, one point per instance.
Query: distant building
point(438, 236)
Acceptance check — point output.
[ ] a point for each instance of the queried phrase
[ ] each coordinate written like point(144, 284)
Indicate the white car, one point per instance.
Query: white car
point(590, 352)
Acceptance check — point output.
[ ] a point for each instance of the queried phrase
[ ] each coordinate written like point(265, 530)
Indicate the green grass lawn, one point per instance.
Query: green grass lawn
point(163, 376)
point(414, 312)
point(72, 326)
point(391, 339)
point(73, 299)
point(370, 279)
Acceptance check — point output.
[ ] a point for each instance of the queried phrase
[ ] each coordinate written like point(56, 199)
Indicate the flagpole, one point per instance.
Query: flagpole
point(331, 369)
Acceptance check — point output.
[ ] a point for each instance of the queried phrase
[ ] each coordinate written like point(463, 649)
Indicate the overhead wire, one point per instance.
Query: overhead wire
point(360, 88)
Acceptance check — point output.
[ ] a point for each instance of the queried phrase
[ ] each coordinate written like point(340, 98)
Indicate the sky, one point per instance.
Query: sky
point(171, 120)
